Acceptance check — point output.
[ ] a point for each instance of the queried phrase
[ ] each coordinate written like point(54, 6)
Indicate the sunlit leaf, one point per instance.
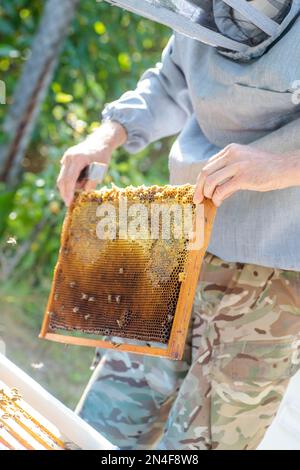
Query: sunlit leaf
point(63, 98)
point(99, 27)
point(124, 61)
point(24, 13)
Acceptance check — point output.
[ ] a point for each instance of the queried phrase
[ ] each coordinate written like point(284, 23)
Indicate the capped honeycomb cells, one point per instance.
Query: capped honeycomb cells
point(124, 288)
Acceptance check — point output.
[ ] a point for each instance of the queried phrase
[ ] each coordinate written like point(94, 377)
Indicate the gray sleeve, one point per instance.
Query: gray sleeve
point(286, 139)
point(158, 107)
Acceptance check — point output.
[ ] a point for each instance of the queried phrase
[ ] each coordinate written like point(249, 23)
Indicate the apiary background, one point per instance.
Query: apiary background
point(43, 360)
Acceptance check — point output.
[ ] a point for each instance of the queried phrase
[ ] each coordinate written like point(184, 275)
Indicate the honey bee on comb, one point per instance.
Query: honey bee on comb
point(134, 290)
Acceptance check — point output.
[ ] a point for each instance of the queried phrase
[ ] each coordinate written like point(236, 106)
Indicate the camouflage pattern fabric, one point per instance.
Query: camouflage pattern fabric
point(243, 347)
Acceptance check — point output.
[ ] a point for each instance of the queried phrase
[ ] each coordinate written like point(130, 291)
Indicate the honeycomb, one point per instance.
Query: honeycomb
point(22, 428)
point(124, 288)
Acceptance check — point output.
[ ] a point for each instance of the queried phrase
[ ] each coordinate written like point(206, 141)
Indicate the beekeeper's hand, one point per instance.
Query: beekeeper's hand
point(239, 167)
point(97, 147)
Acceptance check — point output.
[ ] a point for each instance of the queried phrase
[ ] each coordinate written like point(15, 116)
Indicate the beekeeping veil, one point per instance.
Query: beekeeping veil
point(240, 29)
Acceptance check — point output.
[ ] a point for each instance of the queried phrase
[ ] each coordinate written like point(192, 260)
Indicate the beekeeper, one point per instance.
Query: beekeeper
point(227, 85)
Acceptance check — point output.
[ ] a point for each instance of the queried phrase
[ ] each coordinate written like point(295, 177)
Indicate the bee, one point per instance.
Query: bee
point(124, 319)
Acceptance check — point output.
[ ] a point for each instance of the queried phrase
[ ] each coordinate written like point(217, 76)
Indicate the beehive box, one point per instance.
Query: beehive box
point(32, 419)
point(23, 428)
point(129, 289)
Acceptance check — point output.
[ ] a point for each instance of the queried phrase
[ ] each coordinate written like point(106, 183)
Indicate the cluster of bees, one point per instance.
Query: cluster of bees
point(21, 427)
point(7, 405)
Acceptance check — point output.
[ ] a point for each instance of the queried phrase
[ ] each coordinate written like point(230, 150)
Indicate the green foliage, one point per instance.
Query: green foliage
point(106, 51)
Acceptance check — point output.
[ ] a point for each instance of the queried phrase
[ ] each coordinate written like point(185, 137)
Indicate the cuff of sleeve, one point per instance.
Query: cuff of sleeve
point(138, 137)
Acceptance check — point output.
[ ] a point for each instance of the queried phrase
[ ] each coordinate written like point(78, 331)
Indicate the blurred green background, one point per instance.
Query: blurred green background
point(104, 54)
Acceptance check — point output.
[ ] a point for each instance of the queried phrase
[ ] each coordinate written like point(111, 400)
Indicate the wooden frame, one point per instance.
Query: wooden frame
point(176, 343)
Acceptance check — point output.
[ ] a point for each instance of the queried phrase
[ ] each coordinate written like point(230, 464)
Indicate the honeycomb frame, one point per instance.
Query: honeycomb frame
point(172, 335)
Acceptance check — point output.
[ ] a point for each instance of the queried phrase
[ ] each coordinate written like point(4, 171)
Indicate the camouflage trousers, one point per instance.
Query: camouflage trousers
point(243, 347)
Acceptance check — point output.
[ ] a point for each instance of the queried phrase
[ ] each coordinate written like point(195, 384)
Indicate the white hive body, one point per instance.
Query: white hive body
point(32, 419)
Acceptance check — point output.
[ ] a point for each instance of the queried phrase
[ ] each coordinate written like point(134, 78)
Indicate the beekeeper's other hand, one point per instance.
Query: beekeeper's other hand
point(97, 147)
point(245, 167)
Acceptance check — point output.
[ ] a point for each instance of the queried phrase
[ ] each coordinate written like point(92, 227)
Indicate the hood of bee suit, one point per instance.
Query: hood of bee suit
point(240, 29)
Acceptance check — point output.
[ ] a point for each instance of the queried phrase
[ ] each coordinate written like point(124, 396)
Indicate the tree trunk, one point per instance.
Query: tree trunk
point(32, 86)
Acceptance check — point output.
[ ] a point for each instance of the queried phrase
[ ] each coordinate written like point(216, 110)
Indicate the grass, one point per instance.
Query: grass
point(62, 370)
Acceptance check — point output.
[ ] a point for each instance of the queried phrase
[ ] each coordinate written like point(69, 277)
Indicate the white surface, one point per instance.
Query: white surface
point(69, 424)
point(284, 432)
